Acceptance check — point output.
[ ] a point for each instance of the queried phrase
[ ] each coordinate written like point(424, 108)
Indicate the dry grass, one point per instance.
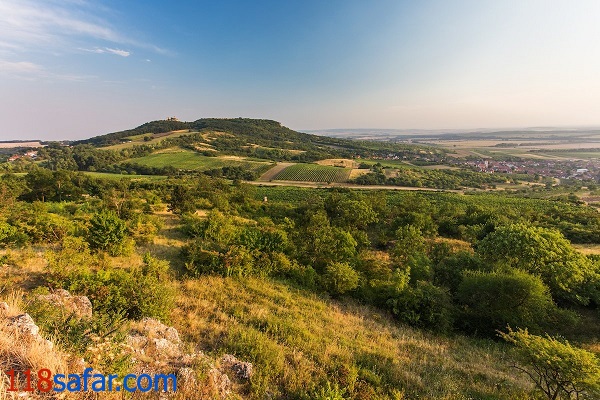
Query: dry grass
point(339, 162)
point(355, 173)
point(21, 352)
point(299, 341)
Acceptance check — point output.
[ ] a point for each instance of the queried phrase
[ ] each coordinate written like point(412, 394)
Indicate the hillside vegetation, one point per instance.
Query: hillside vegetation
point(342, 294)
point(331, 293)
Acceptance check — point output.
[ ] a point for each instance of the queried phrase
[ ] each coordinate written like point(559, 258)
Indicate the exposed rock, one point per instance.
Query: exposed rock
point(243, 370)
point(80, 305)
point(4, 308)
point(165, 348)
point(155, 328)
point(27, 327)
point(220, 383)
point(186, 377)
point(154, 339)
point(24, 323)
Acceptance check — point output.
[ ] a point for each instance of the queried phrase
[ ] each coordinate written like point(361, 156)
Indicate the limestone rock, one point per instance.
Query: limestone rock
point(25, 325)
point(220, 383)
point(186, 377)
point(157, 329)
point(242, 370)
point(81, 306)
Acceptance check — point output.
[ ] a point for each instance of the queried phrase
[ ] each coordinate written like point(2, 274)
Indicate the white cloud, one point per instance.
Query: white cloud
point(56, 26)
point(118, 52)
point(108, 50)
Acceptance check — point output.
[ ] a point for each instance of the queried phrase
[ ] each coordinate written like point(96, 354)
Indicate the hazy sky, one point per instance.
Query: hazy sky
point(78, 68)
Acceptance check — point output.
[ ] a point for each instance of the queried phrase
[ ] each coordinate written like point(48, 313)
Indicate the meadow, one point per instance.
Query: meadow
point(191, 160)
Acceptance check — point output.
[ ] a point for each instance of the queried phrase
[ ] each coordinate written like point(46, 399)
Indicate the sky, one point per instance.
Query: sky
point(72, 69)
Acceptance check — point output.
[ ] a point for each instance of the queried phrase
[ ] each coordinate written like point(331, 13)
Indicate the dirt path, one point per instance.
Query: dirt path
point(270, 174)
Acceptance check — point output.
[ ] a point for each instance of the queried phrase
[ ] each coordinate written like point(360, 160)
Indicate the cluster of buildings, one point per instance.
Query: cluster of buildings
point(572, 169)
point(32, 154)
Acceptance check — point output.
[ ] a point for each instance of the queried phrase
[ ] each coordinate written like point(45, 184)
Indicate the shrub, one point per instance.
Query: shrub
point(423, 305)
point(492, 300)
point(9, 235)
point(109, 232)
point(34, 222)
point(81, 335)
point(340, 278)
point(143, 228)
point(134, 293)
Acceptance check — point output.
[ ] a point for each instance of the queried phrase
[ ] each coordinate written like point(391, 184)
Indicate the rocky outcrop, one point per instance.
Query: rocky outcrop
point(81, 306)
point(151, 339)
point(25, 326)
point(242, 370)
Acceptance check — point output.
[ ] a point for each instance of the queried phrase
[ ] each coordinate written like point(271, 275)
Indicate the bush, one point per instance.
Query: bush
point(340, 278)
point(424, 306)
point(34, 222)
point(493, 300)
point(134, 293)
point(109, 232)
point(10, 236)
point(81, 335)
point(143, 228)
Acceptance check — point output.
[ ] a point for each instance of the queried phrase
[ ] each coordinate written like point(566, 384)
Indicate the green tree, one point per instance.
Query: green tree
point(423, 305)
point(109, 232)
point(182, 199)
point(542, 252)
point(410, 242)
point(558, 370)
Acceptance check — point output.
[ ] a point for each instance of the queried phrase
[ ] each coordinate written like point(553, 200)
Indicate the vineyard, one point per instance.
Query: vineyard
point(313, 173)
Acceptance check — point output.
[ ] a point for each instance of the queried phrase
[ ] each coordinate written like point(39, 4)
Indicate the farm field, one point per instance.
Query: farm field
point(190, 160)
point(313, 173)
point(137, 140)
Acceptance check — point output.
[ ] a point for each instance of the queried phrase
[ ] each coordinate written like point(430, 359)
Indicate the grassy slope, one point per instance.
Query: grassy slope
point(299, 341)
point(187, 159)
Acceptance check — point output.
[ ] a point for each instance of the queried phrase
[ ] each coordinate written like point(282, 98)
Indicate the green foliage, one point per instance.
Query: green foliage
point(34, 222)
point(10, 235)
point(143, 228)
point(493, 300)
point(423, 305)
point(135, 292)
point(109, 232)
point(410, 242)
point(349, 213)
point(543, 252)
point(557, 369)
point(80, 335)
point(318, 243)
point(182, 200)
point(330, 392)
point(74, 253)
point(340, 278)
point(449, 271)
